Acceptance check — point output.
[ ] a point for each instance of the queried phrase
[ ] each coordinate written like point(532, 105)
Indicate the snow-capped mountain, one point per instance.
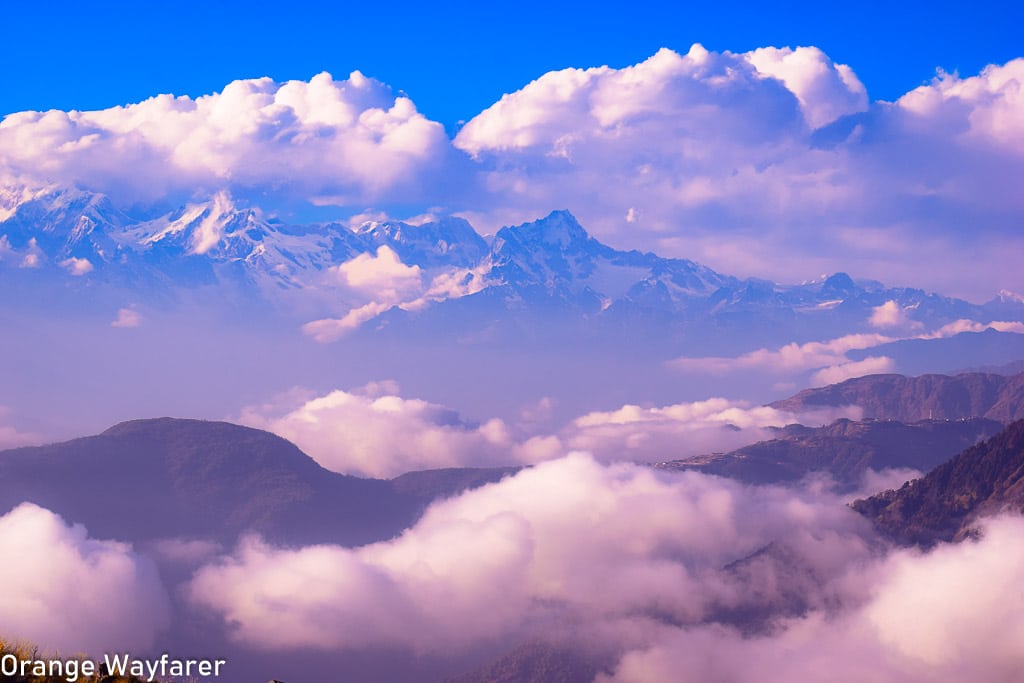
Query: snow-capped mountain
point(551, 264)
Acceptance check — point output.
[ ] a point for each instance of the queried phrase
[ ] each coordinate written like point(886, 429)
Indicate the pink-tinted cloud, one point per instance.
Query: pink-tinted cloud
point(533, 554)
point(65, 591)
point(951, 615)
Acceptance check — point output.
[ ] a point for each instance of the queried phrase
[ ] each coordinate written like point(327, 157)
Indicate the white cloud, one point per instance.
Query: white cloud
point(127, 317)
point(872, 365)
point(534, 553)
point(648, 434)
point(66, 591)
point(963, 325)
point(385, 435)
point(891, 314)
point(948, 616)
point(826, 90)
point(77, 266)
point(33, 255)
point(792, 357)
point(983, 108)
point(374, 431)
point(382, 275)
point(390, 284)
point(828, 359)
point(332, 329)
point(352, 140)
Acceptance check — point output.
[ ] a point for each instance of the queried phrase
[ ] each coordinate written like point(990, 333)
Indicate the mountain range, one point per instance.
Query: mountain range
point(539, 267)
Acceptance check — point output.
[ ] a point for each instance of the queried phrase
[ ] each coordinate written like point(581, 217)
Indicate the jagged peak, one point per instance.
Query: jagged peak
point(557, 228)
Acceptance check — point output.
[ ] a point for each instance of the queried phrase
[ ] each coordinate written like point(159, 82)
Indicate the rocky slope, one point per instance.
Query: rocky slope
point(944, 505)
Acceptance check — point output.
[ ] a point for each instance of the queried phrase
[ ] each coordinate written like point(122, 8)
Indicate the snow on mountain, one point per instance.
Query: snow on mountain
point(550, 264)
point(555, 256)
point(448, 241)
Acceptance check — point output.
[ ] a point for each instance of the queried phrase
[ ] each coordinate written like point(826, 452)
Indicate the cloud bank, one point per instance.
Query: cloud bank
point(322, 140)
point(65, 591)
point(688, 556)
point(951, 615)
point(526, 548)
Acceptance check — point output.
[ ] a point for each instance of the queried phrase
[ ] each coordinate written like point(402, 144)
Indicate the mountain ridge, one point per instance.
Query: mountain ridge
point(946, 503)
point(202, 479)
point(551, 261)
point(929, 396)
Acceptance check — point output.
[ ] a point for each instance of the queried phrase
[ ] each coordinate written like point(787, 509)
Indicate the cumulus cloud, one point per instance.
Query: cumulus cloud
point(348, 140)
point(376, 432)
point(66, 591)
point(951, 615)
point(540, 550)
point(826, 90)
point(77, 266)
point(891, 314)
point(383, 274)
point(385, 435)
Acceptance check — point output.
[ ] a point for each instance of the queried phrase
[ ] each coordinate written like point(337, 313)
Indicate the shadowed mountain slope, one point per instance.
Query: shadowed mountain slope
point(943, 505)
point(151, 479)
point(908, 399)
point(844, 449)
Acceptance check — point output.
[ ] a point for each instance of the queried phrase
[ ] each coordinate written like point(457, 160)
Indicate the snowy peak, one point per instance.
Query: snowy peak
point(558, 231)
point(68, 227)
point(447, 241)
point(556, 253)
point(200, 228)
point(551, 252)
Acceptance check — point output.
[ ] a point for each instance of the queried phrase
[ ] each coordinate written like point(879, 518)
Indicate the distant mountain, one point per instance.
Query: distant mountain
point(151, 479)
point(1014, 367)
point(944, 504)
point(908, 399)
point(547, 265)
point(948, 355)
point(845, 450)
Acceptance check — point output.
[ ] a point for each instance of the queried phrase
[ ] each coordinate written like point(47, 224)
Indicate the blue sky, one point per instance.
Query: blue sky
point(456, 58)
